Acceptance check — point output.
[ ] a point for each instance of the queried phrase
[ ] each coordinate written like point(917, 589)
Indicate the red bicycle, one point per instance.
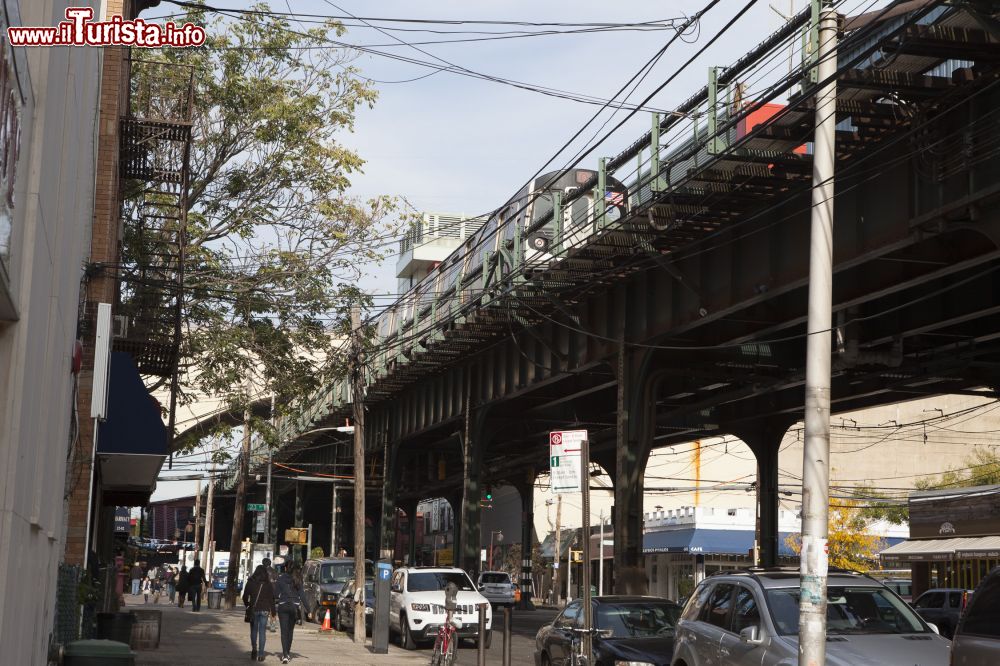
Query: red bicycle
point(446, 643)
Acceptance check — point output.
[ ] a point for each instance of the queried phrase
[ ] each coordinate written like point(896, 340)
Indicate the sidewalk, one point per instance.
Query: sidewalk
point(222, 637)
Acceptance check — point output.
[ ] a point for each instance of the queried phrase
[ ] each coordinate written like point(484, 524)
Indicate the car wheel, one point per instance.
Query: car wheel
point(405, 637)
point(336, 620)
point(545, 659)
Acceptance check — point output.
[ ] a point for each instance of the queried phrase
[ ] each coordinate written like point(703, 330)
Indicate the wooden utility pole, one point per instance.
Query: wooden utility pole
point(239, 510)
point(357, 400)
point(207, 533)
point(197, 516)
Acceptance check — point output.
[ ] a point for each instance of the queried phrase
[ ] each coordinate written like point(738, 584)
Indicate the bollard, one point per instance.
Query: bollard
point(506, 635)
point(481, 646)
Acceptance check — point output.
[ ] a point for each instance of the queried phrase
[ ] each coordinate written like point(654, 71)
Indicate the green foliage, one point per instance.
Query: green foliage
point(275, 246)
point(317, 553)
point(880, 506)
point(850, 542)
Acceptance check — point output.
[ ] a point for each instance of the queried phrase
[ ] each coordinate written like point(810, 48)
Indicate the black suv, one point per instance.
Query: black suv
point(943, 607)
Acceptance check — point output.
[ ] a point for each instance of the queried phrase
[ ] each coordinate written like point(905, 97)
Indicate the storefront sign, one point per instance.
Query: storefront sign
point(970, 512)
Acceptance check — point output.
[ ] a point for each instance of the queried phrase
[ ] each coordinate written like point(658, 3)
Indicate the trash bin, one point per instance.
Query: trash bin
point(98, 653)
point(115, 627)
point(146, 630)
point(215, 599)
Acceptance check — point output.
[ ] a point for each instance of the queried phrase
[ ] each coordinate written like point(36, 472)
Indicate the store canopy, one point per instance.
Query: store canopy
point(706, 542)
point(936, 550)
point(132, 440)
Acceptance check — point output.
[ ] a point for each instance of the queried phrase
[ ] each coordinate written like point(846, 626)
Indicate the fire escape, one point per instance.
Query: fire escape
point(155, 147)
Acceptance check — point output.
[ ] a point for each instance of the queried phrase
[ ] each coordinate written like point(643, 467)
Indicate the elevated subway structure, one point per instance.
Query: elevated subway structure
point(685, 316)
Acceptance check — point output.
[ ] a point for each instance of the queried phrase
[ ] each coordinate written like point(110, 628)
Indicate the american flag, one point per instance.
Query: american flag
point(614, 198)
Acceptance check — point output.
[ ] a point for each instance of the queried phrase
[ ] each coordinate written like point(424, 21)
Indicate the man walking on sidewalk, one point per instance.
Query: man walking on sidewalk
point(136, 576)
point(195, 579)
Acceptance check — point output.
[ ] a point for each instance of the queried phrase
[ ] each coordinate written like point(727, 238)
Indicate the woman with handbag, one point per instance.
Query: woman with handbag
point(258, 597)
point(289, 592)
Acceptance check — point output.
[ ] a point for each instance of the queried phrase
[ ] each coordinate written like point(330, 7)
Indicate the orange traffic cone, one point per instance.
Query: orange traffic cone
point(326, 621)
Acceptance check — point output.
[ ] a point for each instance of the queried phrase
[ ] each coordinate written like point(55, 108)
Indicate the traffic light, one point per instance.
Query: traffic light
point(488, 496)
point(576, 555)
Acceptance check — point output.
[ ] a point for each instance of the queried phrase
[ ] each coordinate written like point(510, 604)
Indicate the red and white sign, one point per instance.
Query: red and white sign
point(564, 460)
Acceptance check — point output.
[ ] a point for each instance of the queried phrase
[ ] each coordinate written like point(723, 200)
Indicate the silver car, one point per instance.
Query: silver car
point(977, 639)
point(752, 618)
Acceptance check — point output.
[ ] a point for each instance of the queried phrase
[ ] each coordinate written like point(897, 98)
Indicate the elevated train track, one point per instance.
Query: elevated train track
point(661, 297)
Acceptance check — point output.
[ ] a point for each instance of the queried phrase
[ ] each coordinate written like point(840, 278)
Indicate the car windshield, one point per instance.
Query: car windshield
point(493, 578)
point(637, 619)
point(427, 581)
point(341, 572)
point(849, 610)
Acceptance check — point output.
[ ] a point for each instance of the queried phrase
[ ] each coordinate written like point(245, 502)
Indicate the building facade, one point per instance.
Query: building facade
point(49, 138)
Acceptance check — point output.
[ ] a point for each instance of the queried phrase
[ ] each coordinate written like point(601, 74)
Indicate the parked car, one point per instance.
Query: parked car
point(977, 638)
point(901, 586)
point(632, 630)
point(343, 617)
point(752, 617)
point(497, 587)
point(943, 607)
point(322, 581)
point(416, 605)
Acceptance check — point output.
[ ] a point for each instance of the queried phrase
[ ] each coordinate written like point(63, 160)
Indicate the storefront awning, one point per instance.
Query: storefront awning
point(936, 550)
point(706, 542)
point(132, 440)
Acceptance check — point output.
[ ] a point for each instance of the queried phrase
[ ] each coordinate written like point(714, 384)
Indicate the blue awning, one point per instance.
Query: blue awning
point(706, 542)
point(132, 440)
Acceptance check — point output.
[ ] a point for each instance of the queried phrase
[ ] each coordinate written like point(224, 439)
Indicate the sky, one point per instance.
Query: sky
point(450, 143)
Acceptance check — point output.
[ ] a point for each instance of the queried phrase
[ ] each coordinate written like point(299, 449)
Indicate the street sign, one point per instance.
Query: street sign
point(257, 507)
point(260, 522)
point(564, 460)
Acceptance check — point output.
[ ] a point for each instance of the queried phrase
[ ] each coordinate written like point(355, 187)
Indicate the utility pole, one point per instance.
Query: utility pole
point(239, 510)
point(357, 398)
point(197, 515)
point(569, 571)
point(558, 552)
point(816, 456)
point(267, 496)
point(209, 515)
point(588, 620)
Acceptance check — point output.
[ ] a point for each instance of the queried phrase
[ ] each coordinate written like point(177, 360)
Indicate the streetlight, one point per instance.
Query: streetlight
point(500, 532)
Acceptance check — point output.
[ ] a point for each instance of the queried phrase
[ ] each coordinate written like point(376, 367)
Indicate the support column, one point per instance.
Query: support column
point(299, 518)
point(473, 442)
point(636, 422)
point(386, 529)
point(764, 439)
point(526, 489)
point(455, 502)
point(410, 507)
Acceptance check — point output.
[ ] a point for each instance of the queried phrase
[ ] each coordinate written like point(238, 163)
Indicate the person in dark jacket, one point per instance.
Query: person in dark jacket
point(258, 597)
point(182, 586)
point(195, 579)
point(288, 590)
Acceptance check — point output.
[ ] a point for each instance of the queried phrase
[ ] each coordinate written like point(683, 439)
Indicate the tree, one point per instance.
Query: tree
point(850, 542)
point(274, 245)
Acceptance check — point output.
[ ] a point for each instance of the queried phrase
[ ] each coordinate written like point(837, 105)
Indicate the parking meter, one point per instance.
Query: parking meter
point(451, 597)
point(380, 625)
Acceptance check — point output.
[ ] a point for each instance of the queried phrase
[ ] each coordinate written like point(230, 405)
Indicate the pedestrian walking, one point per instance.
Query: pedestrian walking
point(171, 581)
point(182, 586)
point(289, 604)
point(195, 580)
point(258, 597)
point(136, 576)
point(146, 584)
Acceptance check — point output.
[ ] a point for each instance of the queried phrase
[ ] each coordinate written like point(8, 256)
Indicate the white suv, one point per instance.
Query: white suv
point(416, 605)
point(497, 587)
